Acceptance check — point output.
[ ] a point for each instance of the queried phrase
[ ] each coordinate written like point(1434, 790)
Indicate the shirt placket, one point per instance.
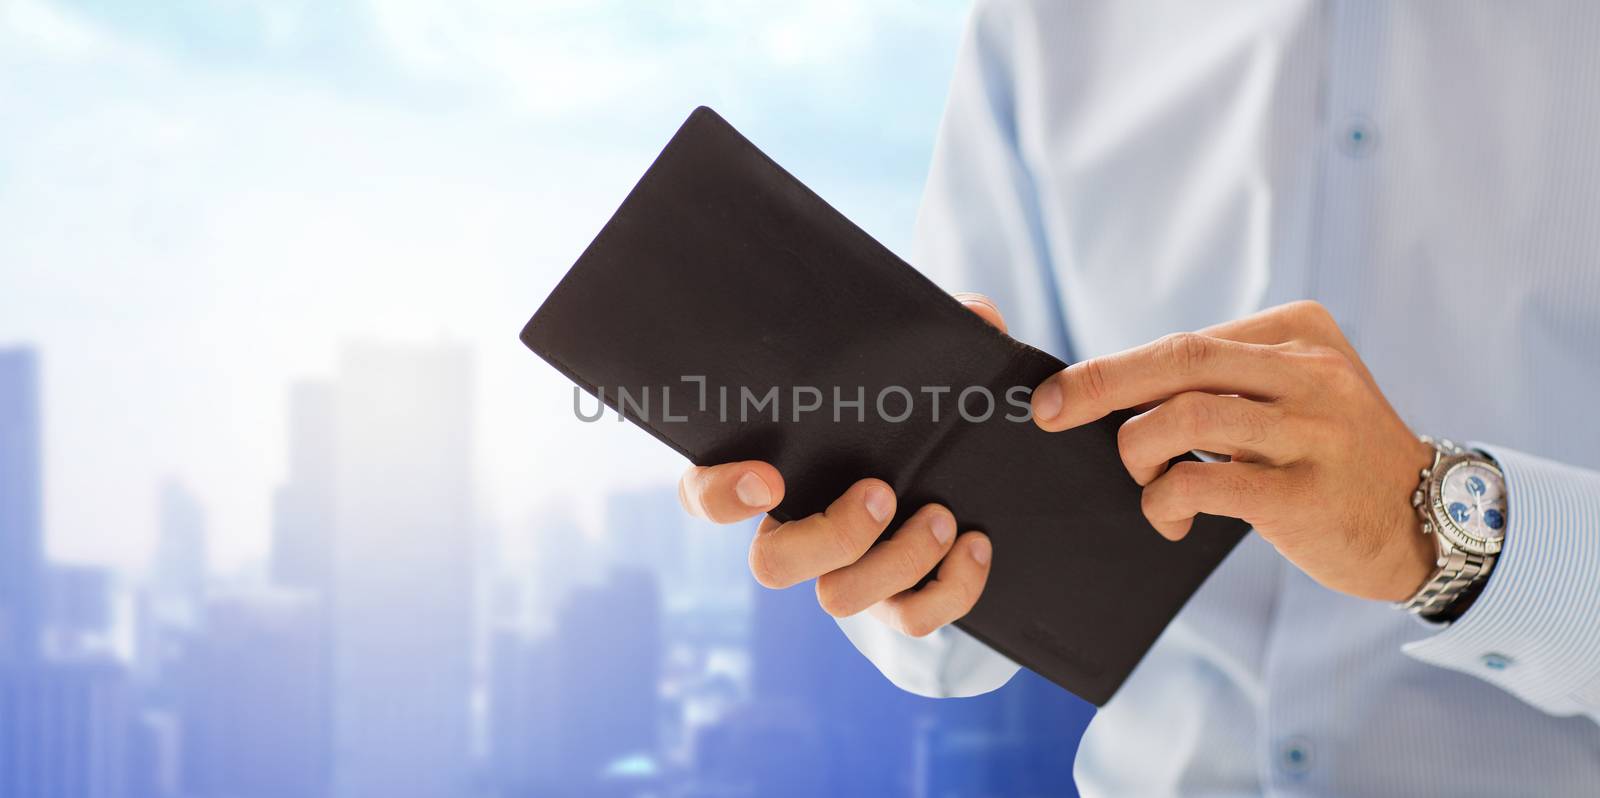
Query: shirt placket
point(1300, 724)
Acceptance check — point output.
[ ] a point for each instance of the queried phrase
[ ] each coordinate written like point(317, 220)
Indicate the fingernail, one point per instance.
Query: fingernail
point(944, 527)
point(976, 299)
point(1047, 400)
point(880, 503)
point(979, 549)
point(753, 490)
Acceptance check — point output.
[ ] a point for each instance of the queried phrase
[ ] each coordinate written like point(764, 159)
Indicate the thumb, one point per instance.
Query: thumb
point(983, 306)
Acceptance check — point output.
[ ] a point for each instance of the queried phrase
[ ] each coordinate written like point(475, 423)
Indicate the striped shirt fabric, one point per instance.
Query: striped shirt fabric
point(1112, 171)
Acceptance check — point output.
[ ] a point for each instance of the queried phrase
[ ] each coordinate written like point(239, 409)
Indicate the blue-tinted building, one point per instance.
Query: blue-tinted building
point(255, 709)
point(524, 714)
point(171, 603)
point(644, 530)
point(821, 720)
point(1019, 742)
point(78, 610)
point(579, 712)
point(64, 730)
point(643, 665)
point(21, 545)
point(608, 665)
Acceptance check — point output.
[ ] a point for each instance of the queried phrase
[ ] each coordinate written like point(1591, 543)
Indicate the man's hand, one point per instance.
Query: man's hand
point(835, 546)
point(1321, 464)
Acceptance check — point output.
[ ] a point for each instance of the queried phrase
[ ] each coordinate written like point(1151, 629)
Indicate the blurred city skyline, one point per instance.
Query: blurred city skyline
point(391, 651)
point(201, 203)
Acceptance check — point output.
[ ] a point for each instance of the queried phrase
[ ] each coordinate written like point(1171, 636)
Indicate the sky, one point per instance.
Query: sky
point(201, 202)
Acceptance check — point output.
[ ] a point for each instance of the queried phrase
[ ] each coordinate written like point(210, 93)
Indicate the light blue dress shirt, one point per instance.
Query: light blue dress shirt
point(1111, 171)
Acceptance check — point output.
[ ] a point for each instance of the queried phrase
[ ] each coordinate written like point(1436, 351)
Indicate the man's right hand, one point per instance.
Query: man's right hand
point(836, 546)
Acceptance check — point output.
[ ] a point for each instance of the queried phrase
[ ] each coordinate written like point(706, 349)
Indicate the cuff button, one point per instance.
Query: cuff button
point(1495, 662)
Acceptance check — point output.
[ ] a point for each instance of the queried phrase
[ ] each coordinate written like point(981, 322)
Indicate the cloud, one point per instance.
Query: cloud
point(199, 201)
point(45, 30)
point(549, 57)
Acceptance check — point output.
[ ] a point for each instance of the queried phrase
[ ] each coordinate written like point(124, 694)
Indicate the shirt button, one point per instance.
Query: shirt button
point(1358, 138)
point(1294, 756)
point(1495, 662)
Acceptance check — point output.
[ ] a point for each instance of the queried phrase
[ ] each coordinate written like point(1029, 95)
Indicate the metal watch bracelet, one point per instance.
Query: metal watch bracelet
point(1459, 572)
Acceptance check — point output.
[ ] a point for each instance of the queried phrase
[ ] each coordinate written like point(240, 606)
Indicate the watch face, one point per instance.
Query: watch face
point(1473, 498)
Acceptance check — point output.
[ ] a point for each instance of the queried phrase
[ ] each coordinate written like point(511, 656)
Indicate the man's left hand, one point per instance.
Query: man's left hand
point(1320, 465)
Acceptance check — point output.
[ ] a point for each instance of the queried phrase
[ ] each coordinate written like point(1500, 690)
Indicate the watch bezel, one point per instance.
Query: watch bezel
point(1442, 523)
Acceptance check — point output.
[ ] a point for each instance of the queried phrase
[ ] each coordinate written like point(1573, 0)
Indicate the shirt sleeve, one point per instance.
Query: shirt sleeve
point(979, 227)
point(1534, 631)
point(977, 230)
point(946, 664)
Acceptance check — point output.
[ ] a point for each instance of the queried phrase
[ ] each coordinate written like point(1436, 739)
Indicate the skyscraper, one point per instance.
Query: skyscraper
point(254, 698)
point(579, 712)
point(645, 530)
point(303, 508)
point(298, 614)
point(525, 699)
point(21, 547)
point(64, 730)
point(170, 604)
point(403, 572)
point(63, 725)
point(78, 602)
point(562, 558)
point(178, 570)
point(608, 656)
point(1018, 741)
point(821, 720)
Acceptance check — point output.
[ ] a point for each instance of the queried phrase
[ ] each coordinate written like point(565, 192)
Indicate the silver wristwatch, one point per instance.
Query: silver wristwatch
point(1462, 503)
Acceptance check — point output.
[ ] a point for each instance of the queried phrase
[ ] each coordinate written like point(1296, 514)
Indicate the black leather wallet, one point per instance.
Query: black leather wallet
point(734, 315)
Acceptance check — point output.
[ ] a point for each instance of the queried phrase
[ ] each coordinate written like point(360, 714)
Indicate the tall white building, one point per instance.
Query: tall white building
point(178, 568)
point(402, 586)
point(303, 506)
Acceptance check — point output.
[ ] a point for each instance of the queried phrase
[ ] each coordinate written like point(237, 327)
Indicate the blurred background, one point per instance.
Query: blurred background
point(287, 511)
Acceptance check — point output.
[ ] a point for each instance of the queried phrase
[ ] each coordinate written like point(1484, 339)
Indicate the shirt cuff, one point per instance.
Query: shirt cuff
point(946, 664)
point(1534, 631)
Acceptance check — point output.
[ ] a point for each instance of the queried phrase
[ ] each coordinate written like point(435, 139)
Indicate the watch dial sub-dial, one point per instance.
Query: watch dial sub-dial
point(1474, 499)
